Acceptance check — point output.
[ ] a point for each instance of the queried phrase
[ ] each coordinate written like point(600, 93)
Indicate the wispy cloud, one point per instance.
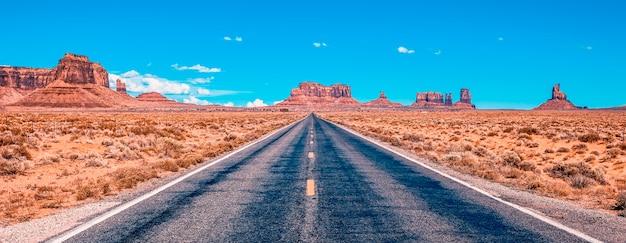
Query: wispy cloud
point(501, 38)
point(149, 64)
point(589, 48)
point(197, 67)
point(202, 80)
point(237, 38)
point(256, 103)
point(202, 91)
point(437, 52)
point(319, 44)
point(278, 101)
point(141, 83)
point(402, 49)
point(194, 100)
point(229, 104)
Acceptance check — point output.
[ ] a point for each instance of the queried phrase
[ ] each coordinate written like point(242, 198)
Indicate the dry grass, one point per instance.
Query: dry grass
point(53, 161)
point(577, 155)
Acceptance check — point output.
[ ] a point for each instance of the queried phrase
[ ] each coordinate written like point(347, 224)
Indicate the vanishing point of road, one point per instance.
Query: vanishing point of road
point(316, 182)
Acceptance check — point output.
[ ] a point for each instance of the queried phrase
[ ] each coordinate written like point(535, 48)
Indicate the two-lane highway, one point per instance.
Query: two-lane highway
point(315, 182)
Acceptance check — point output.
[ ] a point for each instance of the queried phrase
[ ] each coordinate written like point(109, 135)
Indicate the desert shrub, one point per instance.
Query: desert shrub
point(107, 142)
point(549, 151)
point(86, 191)
point(590, 158)
point(536, 184)
point(614, 152)
point(589, 138)
point(508, 129)
point(15, 152)
point(12, 167)
point(190, 159)
point(620, 203)
point(482, 151)
point(622, 146)
point(563, 150)
point(451, 158)
point(167, 165)
point(528, 130)
point(44, 193)
point(130, 177)
point(579, 181)
point(572, 170)
point(412, 137)
point(579, 146)
point(492, 134)
point(512, 158)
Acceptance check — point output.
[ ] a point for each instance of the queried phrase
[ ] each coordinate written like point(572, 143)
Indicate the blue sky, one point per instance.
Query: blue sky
point(508, 53)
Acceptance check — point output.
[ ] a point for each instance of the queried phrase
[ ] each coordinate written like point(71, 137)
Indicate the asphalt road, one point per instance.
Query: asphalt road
point(315, 182)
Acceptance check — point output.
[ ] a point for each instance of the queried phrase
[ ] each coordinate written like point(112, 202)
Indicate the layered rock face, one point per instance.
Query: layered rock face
point(558, 101)
point(72, 68)
point(25, 78)
point(466, 97)
point(315, 95)
point(382, 101)
point(153, 97)
point(120, 86)
point(429, 97)
point(77, 69)
point(435, 100)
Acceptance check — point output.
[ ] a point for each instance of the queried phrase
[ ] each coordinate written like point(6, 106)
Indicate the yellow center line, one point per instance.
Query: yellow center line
point(311, 155)
point(310, 187)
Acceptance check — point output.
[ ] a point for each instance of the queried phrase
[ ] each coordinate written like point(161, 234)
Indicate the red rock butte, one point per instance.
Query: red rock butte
point(558, 101)
point(153, 97)
point(382, 102)
point(312, 94)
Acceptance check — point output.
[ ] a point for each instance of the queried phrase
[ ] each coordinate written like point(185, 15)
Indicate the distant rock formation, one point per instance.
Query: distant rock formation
point(66, 95)
point(312, 94)
point(153, 97)
point(120, 86)
point(382, 102)
point(72, 68)
point(435, 100)
point(448, 99)
point(558, 101)
point(466, 97)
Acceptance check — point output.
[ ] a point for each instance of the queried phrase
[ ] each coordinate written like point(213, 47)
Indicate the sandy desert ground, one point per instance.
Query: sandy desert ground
point(578, 156)
point(50, 162)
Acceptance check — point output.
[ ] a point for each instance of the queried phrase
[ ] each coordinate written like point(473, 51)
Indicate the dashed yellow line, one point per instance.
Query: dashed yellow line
point(310, 187)
point(311, 142)
point(311, 155)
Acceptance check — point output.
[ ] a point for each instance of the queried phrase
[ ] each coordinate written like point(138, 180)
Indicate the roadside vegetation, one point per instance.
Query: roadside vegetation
point(578, 156)
point(53, 161)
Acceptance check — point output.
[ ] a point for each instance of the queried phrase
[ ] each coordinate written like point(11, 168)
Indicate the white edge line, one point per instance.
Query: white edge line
point(75, 231)
point(513, 205)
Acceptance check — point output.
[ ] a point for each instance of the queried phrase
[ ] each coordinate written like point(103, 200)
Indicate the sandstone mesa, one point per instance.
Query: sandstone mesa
point(558, 101)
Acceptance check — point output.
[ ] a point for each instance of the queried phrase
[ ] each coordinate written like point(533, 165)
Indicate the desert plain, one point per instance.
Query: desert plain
point(54, 161)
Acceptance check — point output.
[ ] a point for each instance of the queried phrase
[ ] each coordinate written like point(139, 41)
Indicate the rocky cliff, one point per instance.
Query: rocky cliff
point(72, 68)
point(435, 100)
point(312, 94)
point(382, 102)
point(120, 86)
point(558, 101)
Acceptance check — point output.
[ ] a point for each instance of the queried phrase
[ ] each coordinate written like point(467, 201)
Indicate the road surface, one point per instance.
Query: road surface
point(315, 182)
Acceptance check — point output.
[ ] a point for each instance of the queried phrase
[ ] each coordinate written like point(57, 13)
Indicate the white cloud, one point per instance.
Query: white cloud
point(202, 80)
point(500, 38)
point(238, 38)
point(149, 64)
point(226, 38)
point(438, 52)
point(229, 104)
point(197, 67)
point(319, 44)
point(202, 91)
point(405, 50)
point(589, 48)
point(193, 100)
point(256, 103)
point(278, 101)
point(136, 82)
